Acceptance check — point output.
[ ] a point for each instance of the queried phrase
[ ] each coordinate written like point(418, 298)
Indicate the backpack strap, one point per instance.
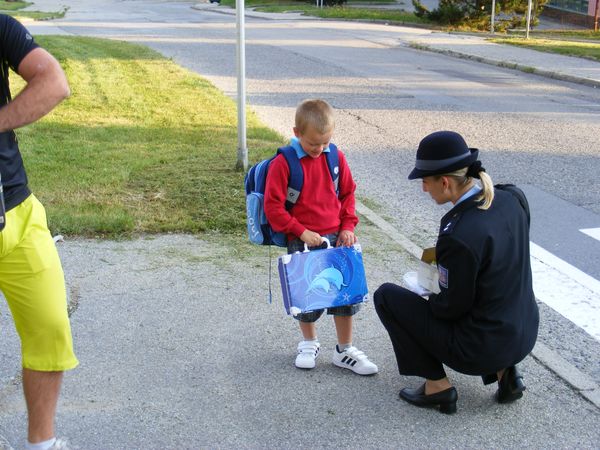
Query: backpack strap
point(333, 162)
point(296, 175)
point(296, 180)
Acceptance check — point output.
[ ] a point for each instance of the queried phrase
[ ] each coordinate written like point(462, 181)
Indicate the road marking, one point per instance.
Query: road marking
point(565, 268)
point(592, 232)
point(566, 289)
point(572, 293)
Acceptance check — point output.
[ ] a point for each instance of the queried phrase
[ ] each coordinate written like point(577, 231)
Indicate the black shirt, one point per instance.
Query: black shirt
point(15, 44)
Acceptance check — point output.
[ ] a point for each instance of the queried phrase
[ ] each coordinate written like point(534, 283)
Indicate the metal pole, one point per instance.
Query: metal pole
point(493, 15)
point(242, 160)
point(529, 4)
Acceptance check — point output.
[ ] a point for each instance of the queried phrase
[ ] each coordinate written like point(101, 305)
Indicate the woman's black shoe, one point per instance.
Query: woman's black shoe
point(510, 386)
point(446, 400)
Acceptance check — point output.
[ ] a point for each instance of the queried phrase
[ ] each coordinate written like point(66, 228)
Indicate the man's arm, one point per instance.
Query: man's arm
point(46, 87)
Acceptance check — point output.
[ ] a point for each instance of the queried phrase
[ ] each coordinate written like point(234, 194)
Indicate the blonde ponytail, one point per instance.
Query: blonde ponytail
point(465, 176)
point(487, 192)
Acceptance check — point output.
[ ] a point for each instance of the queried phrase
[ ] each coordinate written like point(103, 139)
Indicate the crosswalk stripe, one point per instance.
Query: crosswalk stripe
point(566, 289)
point(592, 232)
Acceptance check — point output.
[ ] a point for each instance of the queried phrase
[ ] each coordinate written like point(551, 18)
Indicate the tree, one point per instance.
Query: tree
point(476, 13)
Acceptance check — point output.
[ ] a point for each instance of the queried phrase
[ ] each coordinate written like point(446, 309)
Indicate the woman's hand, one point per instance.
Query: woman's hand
point(346, 238)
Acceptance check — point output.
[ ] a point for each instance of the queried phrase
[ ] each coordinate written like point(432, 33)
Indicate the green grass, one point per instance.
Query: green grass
point(589, 50)
point(351, 13)
point(12, 6)
point(141, 146)
point(586, 35)
point(13, 9)
point(35, 15)
point(337, 12)
point(253, 3)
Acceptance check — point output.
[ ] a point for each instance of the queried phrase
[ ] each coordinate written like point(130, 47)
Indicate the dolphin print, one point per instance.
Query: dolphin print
point(326, 278)
point(319, 283)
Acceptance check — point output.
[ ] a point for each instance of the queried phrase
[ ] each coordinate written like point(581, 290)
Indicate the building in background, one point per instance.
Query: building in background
point(577, 12)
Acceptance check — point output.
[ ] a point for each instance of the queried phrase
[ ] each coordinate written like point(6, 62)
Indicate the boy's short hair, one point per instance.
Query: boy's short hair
point(315, 113)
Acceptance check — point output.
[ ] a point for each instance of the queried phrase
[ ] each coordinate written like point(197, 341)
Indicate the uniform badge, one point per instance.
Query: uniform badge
point(443, 276)
point(448, 227)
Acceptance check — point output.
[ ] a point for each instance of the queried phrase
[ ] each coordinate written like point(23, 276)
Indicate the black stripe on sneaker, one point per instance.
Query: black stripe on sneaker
point(348, 361)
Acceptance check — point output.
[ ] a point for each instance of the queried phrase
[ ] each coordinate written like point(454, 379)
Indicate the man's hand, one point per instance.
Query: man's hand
point(311, 238)
point(46, 87)
point(346, 238)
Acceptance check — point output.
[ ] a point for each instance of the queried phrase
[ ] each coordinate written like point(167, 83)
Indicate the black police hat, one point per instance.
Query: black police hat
point(442, 152)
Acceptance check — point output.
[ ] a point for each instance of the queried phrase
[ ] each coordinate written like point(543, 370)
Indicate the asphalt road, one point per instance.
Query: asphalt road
point(179, 349)
point(535, 132)
point(531, 131)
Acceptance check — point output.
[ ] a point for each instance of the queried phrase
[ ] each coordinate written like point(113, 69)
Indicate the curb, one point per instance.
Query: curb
point(249, 12)
point(564, 370)
point(420, 46)
point(580, 382)
point(509, 65)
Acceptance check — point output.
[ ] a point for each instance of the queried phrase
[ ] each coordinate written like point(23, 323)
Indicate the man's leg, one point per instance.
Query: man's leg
point(41, 395)
point(32, 281)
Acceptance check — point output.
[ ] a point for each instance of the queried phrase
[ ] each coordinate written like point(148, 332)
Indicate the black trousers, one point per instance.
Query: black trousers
point(420, 341)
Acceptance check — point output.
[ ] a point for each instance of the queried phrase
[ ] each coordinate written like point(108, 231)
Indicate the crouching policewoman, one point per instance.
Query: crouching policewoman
point(485, 318)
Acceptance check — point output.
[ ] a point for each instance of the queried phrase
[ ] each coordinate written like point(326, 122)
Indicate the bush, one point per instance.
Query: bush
point(420, 9)
point(329, 2)
point(449, 12)
point(475, 14)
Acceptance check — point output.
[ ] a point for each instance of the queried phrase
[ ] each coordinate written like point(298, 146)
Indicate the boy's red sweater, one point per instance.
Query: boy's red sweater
point(318, 208)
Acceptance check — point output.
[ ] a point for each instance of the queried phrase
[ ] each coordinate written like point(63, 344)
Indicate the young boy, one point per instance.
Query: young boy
point(318, 212)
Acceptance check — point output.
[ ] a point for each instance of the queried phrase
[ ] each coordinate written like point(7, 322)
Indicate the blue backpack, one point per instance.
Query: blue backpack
point(259, 229)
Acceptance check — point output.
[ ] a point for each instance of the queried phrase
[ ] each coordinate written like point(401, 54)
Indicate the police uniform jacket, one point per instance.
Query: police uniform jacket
point(485, 281)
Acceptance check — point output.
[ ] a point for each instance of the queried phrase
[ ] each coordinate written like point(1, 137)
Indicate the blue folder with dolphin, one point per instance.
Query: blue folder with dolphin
point(323, 278)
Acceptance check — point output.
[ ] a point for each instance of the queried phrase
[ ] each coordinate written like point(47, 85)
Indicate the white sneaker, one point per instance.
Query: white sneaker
point(307, 354)
point(60, 444)
point(355, 360)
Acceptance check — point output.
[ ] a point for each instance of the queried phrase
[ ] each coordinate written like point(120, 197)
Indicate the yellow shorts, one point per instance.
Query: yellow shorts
point(32, 280)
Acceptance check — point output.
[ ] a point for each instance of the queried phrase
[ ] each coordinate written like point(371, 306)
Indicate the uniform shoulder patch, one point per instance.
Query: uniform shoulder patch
point(443, 276)
point(448, 226)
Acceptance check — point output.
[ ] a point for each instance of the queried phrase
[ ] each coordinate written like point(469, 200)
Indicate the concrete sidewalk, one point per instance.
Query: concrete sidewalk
point(467, 46)
point(477, 48)
point(179, 349)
